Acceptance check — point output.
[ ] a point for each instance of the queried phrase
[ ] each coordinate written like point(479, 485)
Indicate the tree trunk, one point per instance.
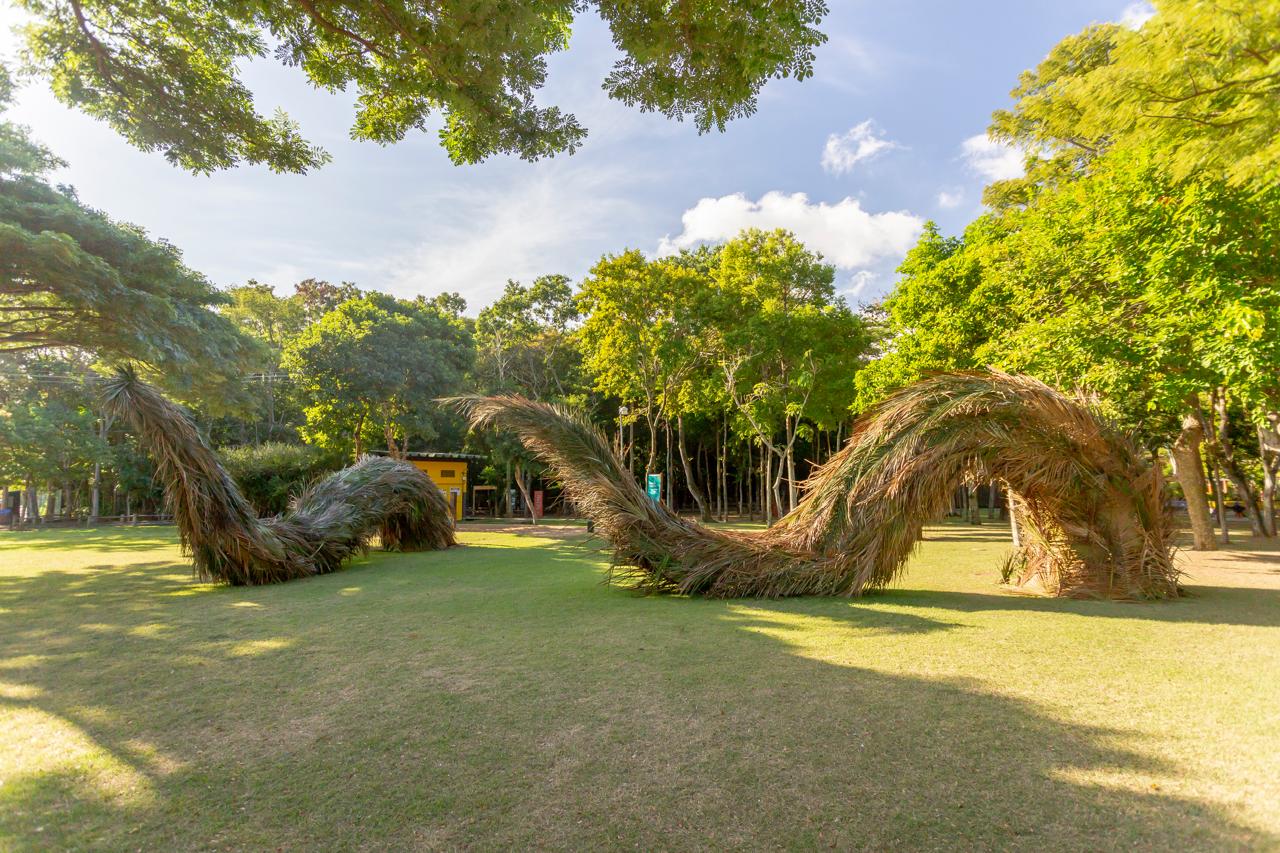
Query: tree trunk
point(1013, 518)
point(29, 511)
point(50, 502)
point(747, 469)
point(723, 467)
point(776, 490)
point(1269, 453)
point(653, 446)
point(506, 493)
point(524, 493)
point(793, 490)
point(389, 433)
point(1215, 483)
point(1188, 470)
point(973, 507)
point(359, 437)
point(669, 472)
point(689, 480)
point(766, 479)
point(1231, 466)
point(95, 497)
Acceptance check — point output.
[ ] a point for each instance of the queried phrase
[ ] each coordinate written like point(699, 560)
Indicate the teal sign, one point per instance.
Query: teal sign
point(655, 487)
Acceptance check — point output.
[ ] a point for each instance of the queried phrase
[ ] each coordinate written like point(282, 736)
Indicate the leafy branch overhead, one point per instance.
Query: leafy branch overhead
point(167, 74)
point(1197, 84)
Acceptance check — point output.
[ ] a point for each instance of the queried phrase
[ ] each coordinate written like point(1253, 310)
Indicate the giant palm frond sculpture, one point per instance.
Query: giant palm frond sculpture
point(329, 522)
point(1091, 507)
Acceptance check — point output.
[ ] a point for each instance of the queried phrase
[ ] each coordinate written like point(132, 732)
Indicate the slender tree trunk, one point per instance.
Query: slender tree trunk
point(669, 472)
point(972, 504)
point(95, 496)
point(1013, 518)
point(1211, 466)
point(1215, 483)
point(1188, 470)
point(702, 471)
point(506, 493)
point(523, 486)
point(746, 468)
point(793, 491)
point(777, 487)
point(359, 437)
point(271, 407)
point(50, 502)
point(1230, 465)
point(29, 512)
point(1269, 453)
point(766, 478)
point(653, 446)
point(723, 467)
point(389, 433)
point(689, 480)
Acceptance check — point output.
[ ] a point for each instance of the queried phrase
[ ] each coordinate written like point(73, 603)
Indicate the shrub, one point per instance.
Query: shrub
point(271, 473)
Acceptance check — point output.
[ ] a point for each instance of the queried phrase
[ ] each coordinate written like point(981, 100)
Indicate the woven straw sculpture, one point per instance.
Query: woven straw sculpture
point(1091, 507)
point(332, 520)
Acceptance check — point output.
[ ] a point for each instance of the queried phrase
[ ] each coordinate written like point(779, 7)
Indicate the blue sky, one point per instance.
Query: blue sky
point(888, 134)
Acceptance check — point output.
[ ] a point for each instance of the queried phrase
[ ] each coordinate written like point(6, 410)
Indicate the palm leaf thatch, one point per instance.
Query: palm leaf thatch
point(1091, 507)
point(329, 522)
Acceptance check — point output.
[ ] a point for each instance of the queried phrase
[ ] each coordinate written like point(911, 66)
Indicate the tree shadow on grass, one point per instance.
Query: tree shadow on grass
point(1205, 605)
point(430, 710)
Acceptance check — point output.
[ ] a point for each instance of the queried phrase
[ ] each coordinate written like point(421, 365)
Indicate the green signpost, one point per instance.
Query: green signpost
point(655, 487)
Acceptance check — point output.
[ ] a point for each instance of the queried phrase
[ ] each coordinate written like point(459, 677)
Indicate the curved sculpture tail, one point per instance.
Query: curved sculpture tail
point(1090, 506)
point(329, 522)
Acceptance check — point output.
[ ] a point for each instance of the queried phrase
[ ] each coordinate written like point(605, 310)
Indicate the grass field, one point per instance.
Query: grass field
point(498, 695)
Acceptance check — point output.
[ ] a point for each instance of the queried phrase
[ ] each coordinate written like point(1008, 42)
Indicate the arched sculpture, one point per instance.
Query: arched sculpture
point(1091, 507)
point(329, 522)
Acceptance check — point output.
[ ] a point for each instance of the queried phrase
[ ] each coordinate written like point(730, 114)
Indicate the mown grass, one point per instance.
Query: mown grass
point(497, 695)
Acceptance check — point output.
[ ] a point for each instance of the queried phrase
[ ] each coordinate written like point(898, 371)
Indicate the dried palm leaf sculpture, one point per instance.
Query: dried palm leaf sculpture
point(329, 522)
point(1091, 507)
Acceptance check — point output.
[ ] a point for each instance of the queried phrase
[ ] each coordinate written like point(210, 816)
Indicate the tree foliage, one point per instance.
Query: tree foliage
point(642, 338)
point(48, 421)
point(787, 345)
point(1196, 86)
point(524, 342)
point(167, 75)
point(74, 279)
point(373, 367)
point(270, 474)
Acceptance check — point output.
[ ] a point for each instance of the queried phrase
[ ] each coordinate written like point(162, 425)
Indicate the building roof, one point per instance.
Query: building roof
point(437, 456)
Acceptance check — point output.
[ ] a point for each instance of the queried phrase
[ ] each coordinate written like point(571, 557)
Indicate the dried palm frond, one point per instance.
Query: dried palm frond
point(330, 521)
point(1093, 508)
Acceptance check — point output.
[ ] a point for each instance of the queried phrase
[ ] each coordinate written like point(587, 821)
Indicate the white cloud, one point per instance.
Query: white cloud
point(846, 235)
point(993, 160)
point(860, 142)
point(1136, 14)
point(547, 219)
point(859, 282)
point(949, 199)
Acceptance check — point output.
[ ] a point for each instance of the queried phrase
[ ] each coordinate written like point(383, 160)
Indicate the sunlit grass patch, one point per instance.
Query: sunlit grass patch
point(502, 695)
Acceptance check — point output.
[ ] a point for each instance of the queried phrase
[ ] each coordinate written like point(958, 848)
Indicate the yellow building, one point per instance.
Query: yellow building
point(449, 472)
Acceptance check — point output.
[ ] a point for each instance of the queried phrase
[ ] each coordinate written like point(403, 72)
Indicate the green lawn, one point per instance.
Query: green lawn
point(498, 695)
